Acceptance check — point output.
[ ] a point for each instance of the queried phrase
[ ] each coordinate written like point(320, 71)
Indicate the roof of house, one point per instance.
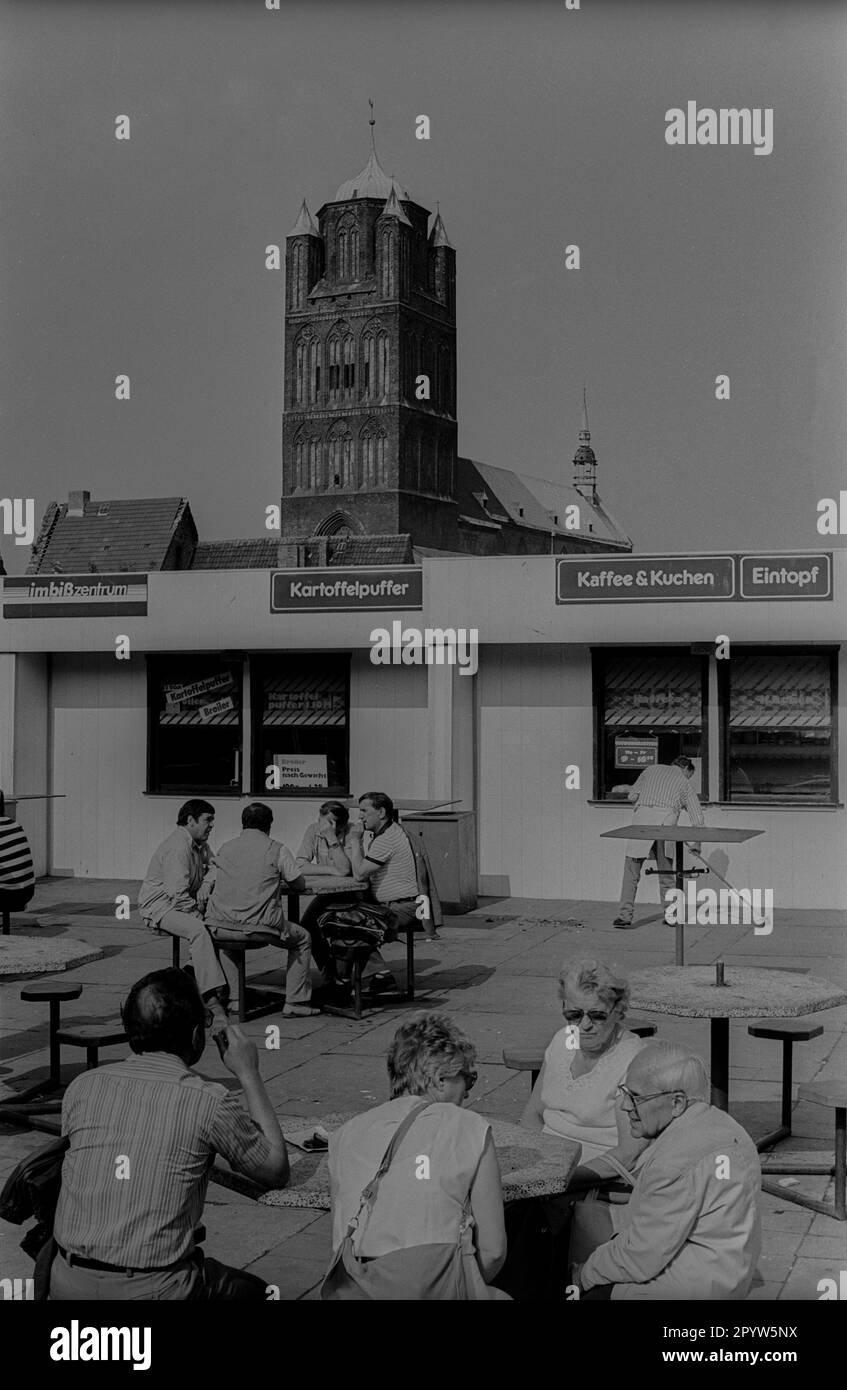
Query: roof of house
point(258, 554)
point(491, 497)
point(370, 550)
point(124, 535)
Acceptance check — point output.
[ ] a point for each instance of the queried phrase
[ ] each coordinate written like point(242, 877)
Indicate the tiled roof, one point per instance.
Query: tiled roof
point(370, 550)
point(258, 554)
point(513, 498)
point(124, 536)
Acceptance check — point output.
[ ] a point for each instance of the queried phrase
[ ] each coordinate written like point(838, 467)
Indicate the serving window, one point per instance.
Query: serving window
point(195, 730)
point(301, 705)
point(648, 708)
point(778, 738)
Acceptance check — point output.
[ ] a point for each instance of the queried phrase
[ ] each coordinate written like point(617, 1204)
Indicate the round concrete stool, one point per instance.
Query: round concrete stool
point(55, 992)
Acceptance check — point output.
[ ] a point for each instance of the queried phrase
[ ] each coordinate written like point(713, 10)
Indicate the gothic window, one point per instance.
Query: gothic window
point(300, 353)
point(340, 456)
point(349, 479)
point(315, 471)
point(299, 462)
point(368, 456)
point(349, 364)
point(382, 366)
point(354, 253)
point(296, 276)
point(374, 457)
point(334, 367)
point(343, 256)
point(368, 365)
point(314, 371)
point(387, 265)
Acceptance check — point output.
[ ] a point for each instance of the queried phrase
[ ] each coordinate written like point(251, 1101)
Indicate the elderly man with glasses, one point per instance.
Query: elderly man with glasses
point(691, 1229)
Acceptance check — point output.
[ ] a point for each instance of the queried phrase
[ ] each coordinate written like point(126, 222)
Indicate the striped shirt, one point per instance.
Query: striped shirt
point(143, 1137)
point(397, 877)
point(16, 867)
point(667, 787)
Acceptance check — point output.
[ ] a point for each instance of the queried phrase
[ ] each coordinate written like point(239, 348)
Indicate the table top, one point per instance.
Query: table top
point(321, 883)
point(697, 834)
point(531, 1164)
point(689, 991)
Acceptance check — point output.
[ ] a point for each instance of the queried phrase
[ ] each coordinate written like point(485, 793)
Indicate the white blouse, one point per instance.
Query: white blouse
point(583, 1107)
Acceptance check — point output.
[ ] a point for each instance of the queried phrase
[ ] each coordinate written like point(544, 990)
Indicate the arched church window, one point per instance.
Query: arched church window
point(381, 465)
point(314, 371)
point(368, 455)
point(315, 473)
point(343, 256)
point(368, 365)
point(382, 366)
point(334, 367)
point(339, 456)
point(349, 364)
point(354, 253)
point(300, 371)
point(387, 284)
point(348, 464)
point(296, 276)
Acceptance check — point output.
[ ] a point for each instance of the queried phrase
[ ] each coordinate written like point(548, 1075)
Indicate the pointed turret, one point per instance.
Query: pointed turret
point(584, 460)
point(392, 206)
point(438, 235)
point(305, 224)
point(442, 264)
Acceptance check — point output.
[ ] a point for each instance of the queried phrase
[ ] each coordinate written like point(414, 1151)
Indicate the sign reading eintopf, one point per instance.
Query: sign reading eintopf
point(346, 591)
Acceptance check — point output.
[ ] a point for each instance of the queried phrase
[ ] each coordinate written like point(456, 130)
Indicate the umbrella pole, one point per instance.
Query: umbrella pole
point(679, 929)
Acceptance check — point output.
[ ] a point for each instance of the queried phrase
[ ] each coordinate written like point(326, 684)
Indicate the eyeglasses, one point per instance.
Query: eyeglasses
point(636, 1100)
point(577, 1015)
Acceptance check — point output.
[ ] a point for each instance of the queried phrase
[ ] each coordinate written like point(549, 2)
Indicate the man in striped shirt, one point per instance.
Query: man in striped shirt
point(143, 1135)
point(660, 793)
point(17, 874)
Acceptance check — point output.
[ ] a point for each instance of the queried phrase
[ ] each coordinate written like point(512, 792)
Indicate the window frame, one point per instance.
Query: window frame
point(155, 661)
point(748, 649)
point(260, 662)
point(599, 657)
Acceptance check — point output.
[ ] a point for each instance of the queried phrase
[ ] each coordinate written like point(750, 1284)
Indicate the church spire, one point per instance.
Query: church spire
point(372, 123)
point(584, 460)
point(584, 434)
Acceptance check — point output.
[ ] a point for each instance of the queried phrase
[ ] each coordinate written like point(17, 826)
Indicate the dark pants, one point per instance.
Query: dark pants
point(15, 899)
point(195, 1277)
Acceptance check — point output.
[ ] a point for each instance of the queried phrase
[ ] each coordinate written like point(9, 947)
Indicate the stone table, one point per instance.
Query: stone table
point(690, 991)
point(23, 956)
point(531, 1164)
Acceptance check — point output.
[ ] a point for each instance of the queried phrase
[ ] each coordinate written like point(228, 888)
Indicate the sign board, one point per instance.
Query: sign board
point(650, 579)
point(636, 752)
point(75, 596)
point(692, 578)
point(301, 770)
point(177, 695)
point(382, 589)
point(299, 704)
point(207, 712)
point(785, 576)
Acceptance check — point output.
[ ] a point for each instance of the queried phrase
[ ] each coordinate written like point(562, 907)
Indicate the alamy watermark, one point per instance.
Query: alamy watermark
point(429, 646)
point(720, 907)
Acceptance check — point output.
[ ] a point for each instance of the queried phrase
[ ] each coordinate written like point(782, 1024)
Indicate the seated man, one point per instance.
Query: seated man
point(691, 1229)
point(17, 873)
point(173, 896)
point(251, 873)
point(381, 855)
point(143, 1135)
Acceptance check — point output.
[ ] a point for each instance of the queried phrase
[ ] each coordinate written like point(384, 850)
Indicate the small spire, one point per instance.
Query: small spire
point(372, 123)
point(392, 205)
point(305, 224)
point(584, 434)
point(438, 235)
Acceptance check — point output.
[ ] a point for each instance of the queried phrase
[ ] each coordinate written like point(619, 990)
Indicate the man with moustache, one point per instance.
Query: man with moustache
point(692, 1228)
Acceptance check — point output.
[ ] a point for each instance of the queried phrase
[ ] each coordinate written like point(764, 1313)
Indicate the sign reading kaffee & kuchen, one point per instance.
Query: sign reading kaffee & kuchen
point(346, 591)
point(75, 596)
point(692, 578)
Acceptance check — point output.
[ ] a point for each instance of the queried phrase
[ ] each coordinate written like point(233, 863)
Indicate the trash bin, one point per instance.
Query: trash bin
point(450, 839)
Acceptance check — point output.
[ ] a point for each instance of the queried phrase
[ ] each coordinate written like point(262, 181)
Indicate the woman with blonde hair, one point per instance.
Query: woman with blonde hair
point(417, 1205)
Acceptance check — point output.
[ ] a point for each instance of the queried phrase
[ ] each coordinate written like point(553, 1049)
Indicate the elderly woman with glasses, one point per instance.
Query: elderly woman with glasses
point(576, 1092)
point(421, 1203)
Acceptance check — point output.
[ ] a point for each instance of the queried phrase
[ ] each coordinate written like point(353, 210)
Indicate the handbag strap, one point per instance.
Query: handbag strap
point(369, 1192)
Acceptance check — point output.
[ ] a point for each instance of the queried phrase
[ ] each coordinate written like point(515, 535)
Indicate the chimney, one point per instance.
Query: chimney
point(77, 502)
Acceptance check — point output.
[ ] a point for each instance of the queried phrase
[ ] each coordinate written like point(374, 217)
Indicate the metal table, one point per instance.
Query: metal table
point(698, 834)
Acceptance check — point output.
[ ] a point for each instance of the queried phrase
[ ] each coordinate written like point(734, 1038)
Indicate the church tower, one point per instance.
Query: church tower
point(369, 432)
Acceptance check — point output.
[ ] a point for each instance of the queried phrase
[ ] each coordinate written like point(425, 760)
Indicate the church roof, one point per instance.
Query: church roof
point(305, 224)
point(370, 182)
point(258, 554)
point(491, 496)
point(113, 537)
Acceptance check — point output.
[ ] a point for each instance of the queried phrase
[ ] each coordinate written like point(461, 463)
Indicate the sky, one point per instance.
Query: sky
point(147, 256)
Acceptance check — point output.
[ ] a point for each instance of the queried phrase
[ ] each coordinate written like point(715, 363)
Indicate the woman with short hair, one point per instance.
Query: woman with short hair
point(445, 1163)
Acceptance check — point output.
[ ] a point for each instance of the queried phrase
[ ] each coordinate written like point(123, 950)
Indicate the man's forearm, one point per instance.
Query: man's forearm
point(260, 1109)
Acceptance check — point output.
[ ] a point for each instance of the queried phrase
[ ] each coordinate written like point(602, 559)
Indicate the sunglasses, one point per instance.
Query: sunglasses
point(635, 1101)
point(577, 1015)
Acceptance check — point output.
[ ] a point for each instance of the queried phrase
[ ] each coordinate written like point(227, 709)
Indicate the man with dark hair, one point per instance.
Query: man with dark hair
point(143, 1137)
point(659, 793)
point(251, 873)
point(381, 855)
point(173, 896)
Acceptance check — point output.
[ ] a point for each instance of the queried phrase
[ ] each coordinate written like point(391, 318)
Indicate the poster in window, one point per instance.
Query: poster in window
point(301, 769)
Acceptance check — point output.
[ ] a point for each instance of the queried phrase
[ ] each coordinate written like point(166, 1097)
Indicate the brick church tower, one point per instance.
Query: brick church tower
point(369, 434)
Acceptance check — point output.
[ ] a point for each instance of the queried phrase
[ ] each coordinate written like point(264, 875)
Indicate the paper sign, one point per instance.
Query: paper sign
point(636, 752)
point(208, 712)
point(301, 770)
